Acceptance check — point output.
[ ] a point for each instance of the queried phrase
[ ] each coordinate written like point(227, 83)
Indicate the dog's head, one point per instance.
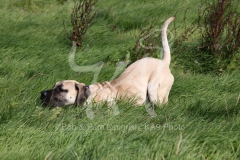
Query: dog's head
point(64, 93)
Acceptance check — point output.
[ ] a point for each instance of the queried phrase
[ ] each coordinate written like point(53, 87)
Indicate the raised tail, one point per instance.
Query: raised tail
point(166, 48)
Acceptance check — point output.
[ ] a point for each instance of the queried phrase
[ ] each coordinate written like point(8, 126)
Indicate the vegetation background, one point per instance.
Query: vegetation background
point(201, 120)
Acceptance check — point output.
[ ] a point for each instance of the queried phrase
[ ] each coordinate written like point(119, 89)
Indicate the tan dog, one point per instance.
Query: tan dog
point(146, 78)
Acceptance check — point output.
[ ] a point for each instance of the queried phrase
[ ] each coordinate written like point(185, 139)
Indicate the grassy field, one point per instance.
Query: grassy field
point(201, 120)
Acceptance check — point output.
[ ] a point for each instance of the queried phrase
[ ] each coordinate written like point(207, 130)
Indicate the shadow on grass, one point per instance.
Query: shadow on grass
point(211, 112)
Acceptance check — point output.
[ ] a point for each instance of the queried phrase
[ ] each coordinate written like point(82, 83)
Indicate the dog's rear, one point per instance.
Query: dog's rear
point(148, 76)
point(160, 85)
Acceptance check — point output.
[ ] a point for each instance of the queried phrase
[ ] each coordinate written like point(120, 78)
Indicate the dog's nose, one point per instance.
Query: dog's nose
point(43, 94)
point(45, 97)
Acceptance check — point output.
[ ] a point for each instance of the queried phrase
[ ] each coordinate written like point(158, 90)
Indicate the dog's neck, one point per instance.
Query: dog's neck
point(95, 88)
point(101, 87)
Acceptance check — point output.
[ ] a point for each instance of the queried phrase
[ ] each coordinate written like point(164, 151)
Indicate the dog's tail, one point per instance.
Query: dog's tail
point(166, 48)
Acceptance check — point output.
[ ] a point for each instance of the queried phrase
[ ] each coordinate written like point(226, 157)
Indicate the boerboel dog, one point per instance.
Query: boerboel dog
point(146, 79)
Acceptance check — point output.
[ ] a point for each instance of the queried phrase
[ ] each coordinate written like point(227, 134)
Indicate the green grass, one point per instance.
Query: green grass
point(201, 120)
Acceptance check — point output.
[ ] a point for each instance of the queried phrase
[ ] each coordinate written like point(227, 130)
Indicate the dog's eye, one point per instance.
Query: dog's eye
point(60, 89)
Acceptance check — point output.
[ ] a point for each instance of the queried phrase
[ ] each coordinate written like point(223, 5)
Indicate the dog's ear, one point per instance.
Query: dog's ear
point(83, 93)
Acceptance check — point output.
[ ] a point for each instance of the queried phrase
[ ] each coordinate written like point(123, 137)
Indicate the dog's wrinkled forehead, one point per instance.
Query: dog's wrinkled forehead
point(66, 84)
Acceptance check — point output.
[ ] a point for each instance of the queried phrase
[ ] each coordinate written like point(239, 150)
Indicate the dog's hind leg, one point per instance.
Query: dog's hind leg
point(150, 107)
point(157, 95)
point(158, 92)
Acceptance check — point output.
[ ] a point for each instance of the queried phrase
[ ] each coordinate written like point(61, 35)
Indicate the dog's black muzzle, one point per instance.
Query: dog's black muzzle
point(45, 97)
